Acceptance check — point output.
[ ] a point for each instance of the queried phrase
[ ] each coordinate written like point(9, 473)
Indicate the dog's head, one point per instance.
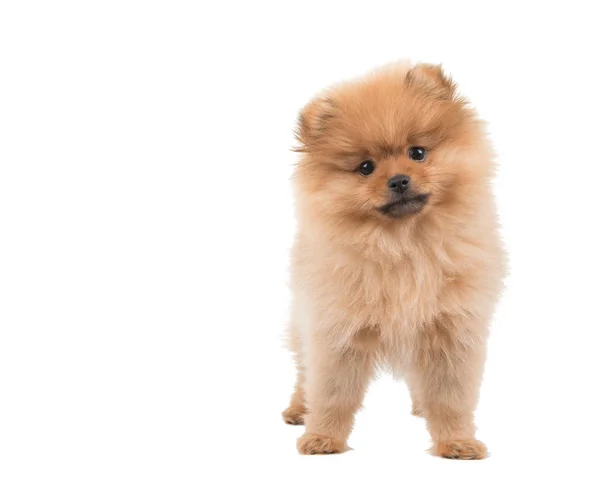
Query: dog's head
point(393, 145)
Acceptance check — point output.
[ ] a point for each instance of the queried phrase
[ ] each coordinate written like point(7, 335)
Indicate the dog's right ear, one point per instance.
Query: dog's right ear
point(313, 121)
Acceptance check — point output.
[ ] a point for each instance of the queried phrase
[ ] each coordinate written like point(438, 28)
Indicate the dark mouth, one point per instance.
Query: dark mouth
point(406, 205)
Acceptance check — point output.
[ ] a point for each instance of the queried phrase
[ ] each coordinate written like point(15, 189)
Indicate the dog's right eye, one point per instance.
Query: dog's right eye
point(366, 168)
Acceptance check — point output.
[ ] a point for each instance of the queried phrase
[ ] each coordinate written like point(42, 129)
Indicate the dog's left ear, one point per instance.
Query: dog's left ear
point(433, 79)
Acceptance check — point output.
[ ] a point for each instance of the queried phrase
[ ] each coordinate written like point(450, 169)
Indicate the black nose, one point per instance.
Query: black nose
point(399, 183)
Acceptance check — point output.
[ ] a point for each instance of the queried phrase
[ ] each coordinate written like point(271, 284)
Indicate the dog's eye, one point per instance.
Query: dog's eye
point(366, 168)
point(417, 153)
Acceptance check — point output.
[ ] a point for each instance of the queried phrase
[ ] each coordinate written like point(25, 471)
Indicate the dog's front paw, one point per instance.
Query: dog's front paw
point(460, 449)
point(316, 444)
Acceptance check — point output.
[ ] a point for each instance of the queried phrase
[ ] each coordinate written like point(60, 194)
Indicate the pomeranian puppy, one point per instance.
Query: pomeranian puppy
point(397, 260)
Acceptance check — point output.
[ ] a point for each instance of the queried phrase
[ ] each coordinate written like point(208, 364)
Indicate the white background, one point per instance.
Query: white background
point(146, 219)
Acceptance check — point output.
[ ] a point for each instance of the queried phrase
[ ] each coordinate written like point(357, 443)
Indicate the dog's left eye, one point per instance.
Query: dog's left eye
point(417, 153)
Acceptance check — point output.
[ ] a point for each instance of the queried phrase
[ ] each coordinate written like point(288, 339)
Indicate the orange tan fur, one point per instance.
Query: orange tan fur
point(414, 292)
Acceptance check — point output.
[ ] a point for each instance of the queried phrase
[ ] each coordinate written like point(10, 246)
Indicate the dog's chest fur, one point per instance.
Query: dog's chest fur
point(350, 293)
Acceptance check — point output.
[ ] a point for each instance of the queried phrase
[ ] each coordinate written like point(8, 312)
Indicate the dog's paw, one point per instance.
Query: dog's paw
point(416, 410)
point(315, 444)
point(294, 415)
point(460, 449)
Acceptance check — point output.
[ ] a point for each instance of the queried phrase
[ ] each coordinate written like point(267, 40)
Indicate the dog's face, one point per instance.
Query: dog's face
point(387, 147)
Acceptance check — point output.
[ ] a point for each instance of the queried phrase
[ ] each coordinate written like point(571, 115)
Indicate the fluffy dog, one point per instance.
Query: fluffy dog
point(397, 260)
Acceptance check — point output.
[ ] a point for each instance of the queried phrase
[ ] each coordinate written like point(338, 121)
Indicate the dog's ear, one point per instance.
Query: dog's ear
point(433, 79)
point(313, 121)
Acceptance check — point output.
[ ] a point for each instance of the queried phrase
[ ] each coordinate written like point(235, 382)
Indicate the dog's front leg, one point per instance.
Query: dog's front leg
point(336, 380)
point(449, 361)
